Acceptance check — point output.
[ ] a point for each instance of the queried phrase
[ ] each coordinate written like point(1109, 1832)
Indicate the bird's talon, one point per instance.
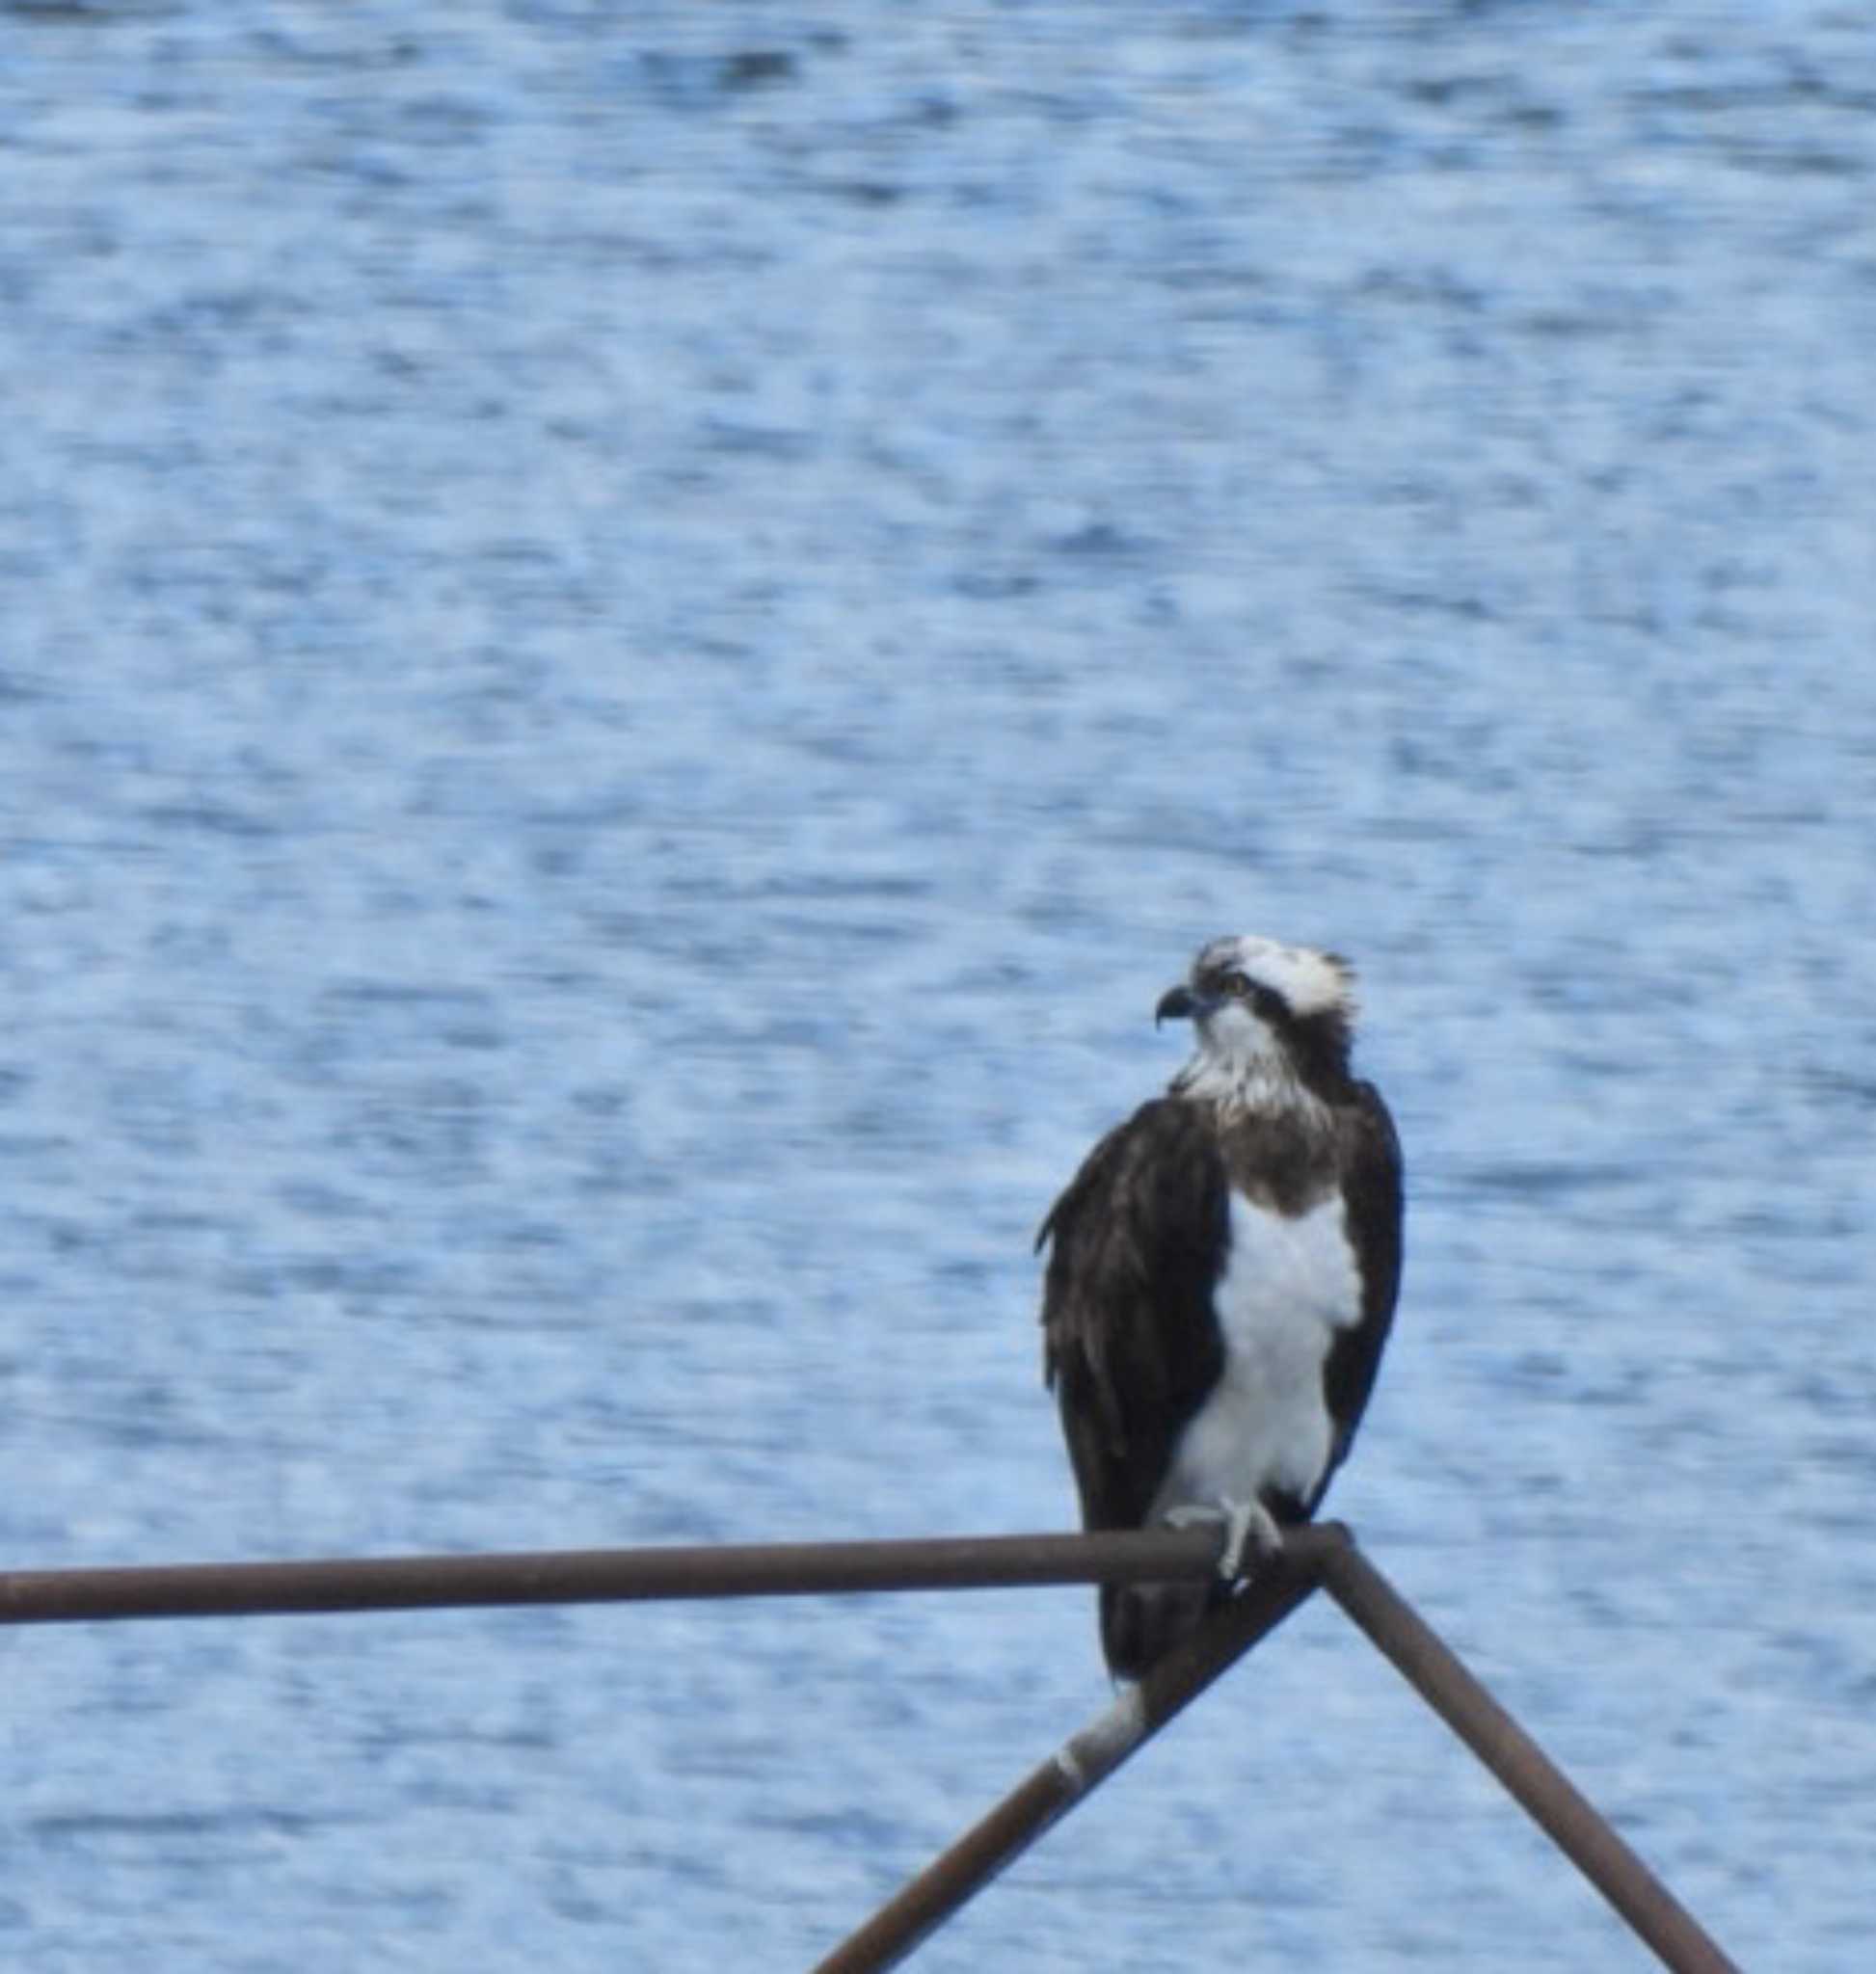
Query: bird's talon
point(1248, 1526)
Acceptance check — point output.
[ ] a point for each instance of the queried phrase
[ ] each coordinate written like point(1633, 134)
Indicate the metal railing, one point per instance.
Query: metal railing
point(1324, 1557)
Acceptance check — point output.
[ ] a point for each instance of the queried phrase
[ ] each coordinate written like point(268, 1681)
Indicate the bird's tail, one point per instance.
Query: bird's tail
point(1141, 1622)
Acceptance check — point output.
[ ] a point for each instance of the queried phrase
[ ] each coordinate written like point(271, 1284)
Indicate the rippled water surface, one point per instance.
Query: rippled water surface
point(635, 639)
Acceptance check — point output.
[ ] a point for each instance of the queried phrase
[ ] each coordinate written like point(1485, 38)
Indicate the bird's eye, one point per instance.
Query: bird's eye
point(1238, 986)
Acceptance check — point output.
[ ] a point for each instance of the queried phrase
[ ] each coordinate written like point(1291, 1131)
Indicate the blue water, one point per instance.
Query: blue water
point(633, 640)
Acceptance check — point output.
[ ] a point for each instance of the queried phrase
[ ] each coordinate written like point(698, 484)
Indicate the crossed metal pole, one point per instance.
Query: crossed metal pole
point(1325, 1557)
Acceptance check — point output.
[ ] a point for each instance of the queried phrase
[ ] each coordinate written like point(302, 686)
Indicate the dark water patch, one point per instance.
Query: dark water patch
point(1538, 1181)
point(159, 1837)
point(211, 818)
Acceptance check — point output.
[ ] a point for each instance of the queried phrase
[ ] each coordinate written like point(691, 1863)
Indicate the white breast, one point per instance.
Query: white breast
point(1289, 1286)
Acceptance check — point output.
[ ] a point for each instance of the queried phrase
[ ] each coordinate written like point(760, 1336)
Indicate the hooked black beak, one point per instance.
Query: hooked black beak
point(1179, 1003)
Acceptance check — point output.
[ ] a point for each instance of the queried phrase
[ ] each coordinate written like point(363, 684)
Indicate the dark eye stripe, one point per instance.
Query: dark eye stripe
point(1235, 984)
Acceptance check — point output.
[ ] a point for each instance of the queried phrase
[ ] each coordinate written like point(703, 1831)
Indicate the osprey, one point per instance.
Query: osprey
point(1222, 1275)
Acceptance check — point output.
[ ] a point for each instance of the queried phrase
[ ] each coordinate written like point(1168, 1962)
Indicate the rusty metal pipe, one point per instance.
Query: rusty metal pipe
point(1324, 1554)
point(599, 1576)
point(1572, 1822)
point(1083, 1761)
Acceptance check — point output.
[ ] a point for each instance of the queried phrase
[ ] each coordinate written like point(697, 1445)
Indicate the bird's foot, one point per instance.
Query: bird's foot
point(1248, 1526)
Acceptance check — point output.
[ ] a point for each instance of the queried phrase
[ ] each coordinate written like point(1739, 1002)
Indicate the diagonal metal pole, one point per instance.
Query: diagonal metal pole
point(595, 1576)
point(1085, 1760)
point(1571, 1821)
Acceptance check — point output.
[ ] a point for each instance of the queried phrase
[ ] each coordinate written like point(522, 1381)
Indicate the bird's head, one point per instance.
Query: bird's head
point(1263, 1013)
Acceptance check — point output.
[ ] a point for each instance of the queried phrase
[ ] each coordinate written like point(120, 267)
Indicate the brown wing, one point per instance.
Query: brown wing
point(1371, 1181)
point(1130, 1342)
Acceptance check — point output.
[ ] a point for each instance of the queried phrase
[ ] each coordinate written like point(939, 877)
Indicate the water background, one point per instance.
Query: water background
point(633, 641)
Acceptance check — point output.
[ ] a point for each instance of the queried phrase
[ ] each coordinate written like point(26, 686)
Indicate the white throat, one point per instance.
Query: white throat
point(1238, 1064)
